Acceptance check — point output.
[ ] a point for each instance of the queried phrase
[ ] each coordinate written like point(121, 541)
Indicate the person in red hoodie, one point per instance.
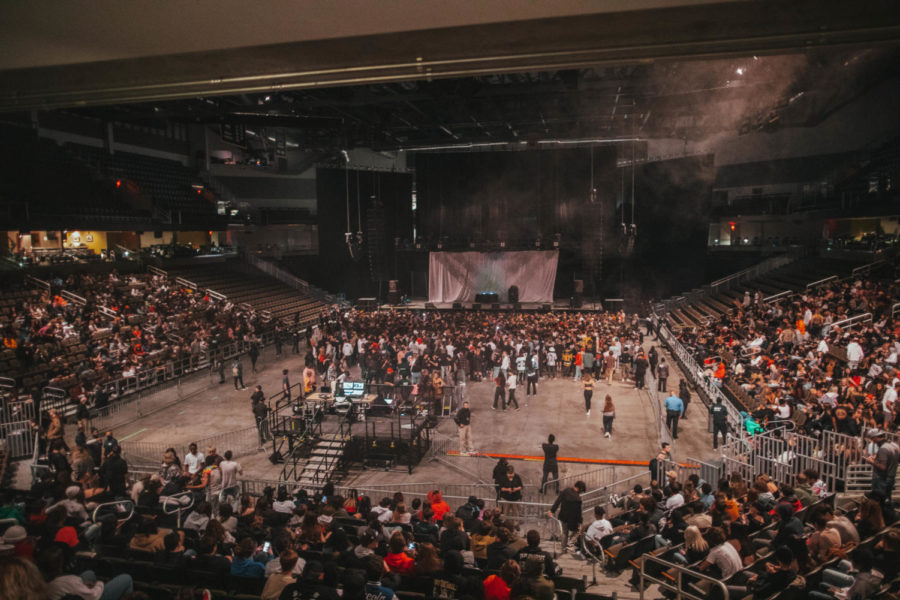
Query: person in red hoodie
point(397, 560)
point(497, 587)
point(438, 506)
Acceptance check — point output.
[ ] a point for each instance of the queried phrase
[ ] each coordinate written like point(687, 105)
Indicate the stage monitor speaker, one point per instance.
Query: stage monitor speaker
point(430, 306)
point(457, 306)
point(495, 306)
point(476, 306)
point(513, 294)
point(393, 297)
point(579, 287)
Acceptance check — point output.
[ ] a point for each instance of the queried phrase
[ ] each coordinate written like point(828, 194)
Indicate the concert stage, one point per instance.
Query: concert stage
point(555, 306)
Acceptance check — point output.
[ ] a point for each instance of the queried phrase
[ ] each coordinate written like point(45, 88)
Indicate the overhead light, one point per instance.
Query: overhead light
point(739, 70)
point(591, 141)
point(268, 98)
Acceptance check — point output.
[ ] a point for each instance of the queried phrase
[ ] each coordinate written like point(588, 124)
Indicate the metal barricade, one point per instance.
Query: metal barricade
point(19, 437)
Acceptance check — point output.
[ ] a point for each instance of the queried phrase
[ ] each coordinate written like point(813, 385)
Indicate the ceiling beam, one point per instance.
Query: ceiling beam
point(683, 32)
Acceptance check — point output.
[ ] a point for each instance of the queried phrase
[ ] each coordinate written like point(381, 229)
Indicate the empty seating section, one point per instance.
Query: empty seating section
point(242, 284)
point(167, 182)
point(56, 185)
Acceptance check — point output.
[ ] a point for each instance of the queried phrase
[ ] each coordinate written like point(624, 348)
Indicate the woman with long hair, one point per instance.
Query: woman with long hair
point(609, 415)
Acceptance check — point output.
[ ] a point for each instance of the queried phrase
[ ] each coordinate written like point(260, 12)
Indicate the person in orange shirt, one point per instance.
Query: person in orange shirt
point(497, 587)
point(438, 506)
point(720, 371)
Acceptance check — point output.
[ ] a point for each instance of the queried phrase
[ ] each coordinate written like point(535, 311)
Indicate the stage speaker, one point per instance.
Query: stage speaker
point(393, 297)
point(546, 307)
point(476, 306)
point(430, 306)
point(517, 306)
point(457, 306)
point(579, 287)
point(513, 294)
point(393, 286)
point(576, 301)
point(495, 306)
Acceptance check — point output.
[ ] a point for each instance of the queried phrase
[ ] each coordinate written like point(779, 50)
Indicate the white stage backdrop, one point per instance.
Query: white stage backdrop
point(458, 276)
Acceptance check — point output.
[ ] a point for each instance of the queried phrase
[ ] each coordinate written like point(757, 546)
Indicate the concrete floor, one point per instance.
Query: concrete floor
point(209, 408)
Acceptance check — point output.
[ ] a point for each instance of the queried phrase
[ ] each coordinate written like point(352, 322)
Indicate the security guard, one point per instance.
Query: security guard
point(720, 421)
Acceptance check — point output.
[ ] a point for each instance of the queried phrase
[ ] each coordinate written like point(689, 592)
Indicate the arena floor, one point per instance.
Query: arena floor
point(209, 408)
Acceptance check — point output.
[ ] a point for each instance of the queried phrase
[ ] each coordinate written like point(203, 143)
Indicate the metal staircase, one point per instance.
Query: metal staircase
point(326, 456)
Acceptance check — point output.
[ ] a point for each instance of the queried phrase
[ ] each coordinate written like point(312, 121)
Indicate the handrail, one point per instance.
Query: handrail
point(186, 283)
point(864, 317)
point(38, 282)
point(821, 281)
point(867, 267)
point(680, 572)
point(894, 309)
point(765, 266)
point(217, 295)
point(290, 279)
point(107, 312)
point(121, 505)
point(157, 271)
point(778, 295)
point(72, 297)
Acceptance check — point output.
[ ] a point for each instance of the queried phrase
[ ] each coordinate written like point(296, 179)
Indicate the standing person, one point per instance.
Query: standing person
point(531, 377)
point(653, 361)
point(588, 384)
point(674, 410)
point(609, 363)
point(498, 475)
point(587, 360)
point(463, 421)
point(82, 413)
point(658, 461)
point(253, 353)
point(260, 412)
point(237, 372)
point(231, 489)
point(499, 392)
point(640, 371)
point(569, 505)
point(285, 385)
point(685, 394)
point(193, 460)
point(719, 422)
point(609, 415)
point(295, 340)
point(511, 487)
point(662, 374)
point(579, 360)
point(551, 467)
point(279, 338)
point(884, 463)
point(511, 390)
point(551, 362)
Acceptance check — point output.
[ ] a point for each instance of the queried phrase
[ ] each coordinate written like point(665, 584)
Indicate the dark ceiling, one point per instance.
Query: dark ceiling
point(684, 72)
point(689, 100)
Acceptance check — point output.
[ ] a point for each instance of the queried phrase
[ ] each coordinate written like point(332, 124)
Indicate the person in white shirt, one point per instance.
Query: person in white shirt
point(600, 528)
point(511, 390)
point(723, 555)
point(193, 460)
point(854, 354)
point(888, 404)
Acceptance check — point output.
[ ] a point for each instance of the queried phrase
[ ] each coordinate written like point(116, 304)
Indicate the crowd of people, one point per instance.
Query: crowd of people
point(131, 326)
point(790, 360)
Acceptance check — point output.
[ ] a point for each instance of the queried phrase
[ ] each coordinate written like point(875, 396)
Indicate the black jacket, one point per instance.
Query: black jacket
point(569, 504)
